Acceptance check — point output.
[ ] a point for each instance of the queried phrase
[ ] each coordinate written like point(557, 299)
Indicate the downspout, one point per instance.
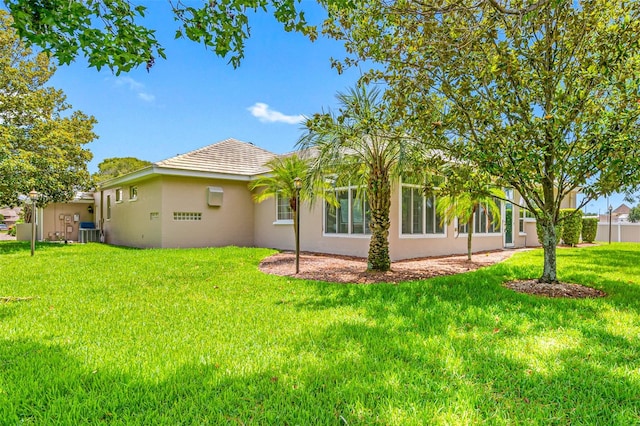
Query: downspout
point(100, 223)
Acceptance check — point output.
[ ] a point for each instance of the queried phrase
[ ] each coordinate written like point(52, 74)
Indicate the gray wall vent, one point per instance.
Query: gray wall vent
point(214, 196)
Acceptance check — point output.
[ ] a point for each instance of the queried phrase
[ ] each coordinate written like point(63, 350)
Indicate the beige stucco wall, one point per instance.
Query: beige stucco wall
point(268, 232)
point(149, 221)
point(232, 223)
point(61, 221)
point(131, 223)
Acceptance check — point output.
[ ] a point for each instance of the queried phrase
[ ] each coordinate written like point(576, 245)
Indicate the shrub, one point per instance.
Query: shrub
point(571, 226)
point(589, 229)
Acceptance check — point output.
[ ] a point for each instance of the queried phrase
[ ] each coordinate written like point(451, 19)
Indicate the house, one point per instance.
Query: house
point(198, 199)
point(619, 214)
point(201, 199)
point(10, 215)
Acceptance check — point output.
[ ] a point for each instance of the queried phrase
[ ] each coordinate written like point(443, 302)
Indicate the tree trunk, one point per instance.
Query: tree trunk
point(470, 234)
point(549, 243)
point(379, 197)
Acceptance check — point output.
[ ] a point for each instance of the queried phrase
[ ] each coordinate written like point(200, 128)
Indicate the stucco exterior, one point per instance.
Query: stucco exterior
point(61, 221)
point(201, 199)
point(173, 211)
point(279, 234)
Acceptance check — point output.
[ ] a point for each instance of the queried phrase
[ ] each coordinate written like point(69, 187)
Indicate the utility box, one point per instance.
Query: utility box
point(214, 196)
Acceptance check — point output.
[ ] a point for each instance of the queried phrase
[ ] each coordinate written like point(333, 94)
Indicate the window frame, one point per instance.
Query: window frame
point(108, 207)
point(439, 227)
point(524, 216)
point(278, 206)
point(119, 195)
point(478, 222)
point(133, 192)
point(351, 199)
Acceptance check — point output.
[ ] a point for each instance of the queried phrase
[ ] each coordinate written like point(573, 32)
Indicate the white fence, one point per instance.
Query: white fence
point(620, 232)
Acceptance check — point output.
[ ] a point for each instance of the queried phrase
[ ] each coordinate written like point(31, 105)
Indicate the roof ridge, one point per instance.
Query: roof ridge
point(195, 151)
point(226, 156)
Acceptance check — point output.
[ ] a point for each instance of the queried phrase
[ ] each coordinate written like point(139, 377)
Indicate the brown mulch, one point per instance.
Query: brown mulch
point(573, 291)
point(348, 269)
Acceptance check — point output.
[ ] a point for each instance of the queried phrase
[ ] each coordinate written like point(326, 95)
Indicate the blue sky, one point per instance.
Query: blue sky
point(194, 98)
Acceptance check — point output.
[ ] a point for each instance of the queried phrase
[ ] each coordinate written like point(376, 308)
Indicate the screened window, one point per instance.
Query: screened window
point(283, 209)
point(351, 216)
point(133, 193)
point(524, 215)
point(483, 221)
point(419, 214)
point(118, 195)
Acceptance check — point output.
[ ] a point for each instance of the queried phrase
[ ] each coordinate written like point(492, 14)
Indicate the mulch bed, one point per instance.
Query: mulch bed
point(568, 290)
point(347, 269)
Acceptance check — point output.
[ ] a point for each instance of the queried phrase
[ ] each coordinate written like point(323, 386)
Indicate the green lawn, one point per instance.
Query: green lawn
point(200, 336)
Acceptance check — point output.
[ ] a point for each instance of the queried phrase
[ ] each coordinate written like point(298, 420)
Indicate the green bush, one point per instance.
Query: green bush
point(589, 229)
point(571, 226)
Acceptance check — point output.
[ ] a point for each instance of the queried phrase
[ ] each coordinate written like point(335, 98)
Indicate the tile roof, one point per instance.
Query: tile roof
point(229, 156)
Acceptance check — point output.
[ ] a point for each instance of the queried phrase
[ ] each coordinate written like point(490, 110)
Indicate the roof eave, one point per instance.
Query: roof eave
point(152, 170)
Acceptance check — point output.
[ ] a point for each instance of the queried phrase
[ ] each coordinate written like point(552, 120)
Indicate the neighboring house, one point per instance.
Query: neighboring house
point(620, 214)
point(201, 199)
point(11, 215)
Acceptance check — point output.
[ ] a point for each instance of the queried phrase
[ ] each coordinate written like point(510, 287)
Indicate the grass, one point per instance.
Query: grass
point(200, 336)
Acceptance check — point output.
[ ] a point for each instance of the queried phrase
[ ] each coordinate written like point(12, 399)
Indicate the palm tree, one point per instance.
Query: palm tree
point(361, 146)
point(281, 183)
point(463, 193)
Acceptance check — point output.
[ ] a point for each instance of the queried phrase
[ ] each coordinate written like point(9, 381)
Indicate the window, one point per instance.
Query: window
point(283, 209)
point(419, 214)
point(119, 195)
point(187, 216)
point(483, 221)
point(524, 215)
point(133, 193)
point(154, 215)
point(108, 206)
point(351, 216)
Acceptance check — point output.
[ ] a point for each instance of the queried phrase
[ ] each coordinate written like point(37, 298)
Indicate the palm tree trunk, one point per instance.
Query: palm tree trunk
point(379, 196)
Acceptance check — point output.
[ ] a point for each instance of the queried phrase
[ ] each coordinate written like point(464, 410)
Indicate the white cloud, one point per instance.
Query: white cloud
point(146, 97)
point(135, 87)
point(262, 112)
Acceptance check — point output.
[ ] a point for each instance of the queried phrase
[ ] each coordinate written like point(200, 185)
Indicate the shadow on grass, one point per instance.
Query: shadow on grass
point(452, 350)
point(467, 339)
point(409, 380)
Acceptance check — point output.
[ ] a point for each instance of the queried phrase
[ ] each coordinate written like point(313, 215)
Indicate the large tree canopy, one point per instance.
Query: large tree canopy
point(111, 168)
point(40, 141)
point(543, 96)
point(113, 33)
